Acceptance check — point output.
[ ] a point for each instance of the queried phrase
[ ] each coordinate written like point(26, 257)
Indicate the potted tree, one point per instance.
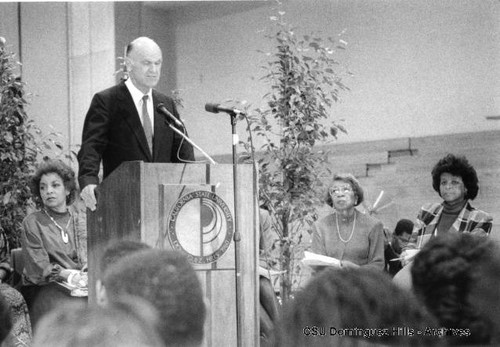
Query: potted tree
point(305, 80)
point(22, 144)
point(17, 153)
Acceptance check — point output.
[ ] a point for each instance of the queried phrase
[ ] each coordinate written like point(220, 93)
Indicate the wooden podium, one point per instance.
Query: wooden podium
point(188, 207)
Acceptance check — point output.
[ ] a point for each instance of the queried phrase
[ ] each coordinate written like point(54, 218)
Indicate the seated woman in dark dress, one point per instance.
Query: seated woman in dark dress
point(53, 240)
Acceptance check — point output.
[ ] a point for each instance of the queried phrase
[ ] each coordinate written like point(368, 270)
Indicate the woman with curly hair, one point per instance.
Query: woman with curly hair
point(354, 238)
point(444, 275)
point(54, 239)
point(456, 182)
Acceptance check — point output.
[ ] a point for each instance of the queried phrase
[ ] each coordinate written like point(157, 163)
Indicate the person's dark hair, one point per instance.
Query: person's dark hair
point(129, 321)
point(168, 281)
point(403, 226)
point(62, 170)
point(128, 49)
point(356, 302)
point(456, 166)
point(117, 250)
point(5, 318)
point(443, 274)
point(356, 187)
point(485, 295)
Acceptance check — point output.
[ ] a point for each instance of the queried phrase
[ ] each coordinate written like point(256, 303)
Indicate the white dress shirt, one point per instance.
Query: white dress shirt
point(137, 97)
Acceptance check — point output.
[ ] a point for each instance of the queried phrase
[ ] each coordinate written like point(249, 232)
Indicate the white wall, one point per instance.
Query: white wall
point(420, 67)
point(67, 54)
point(9, 29)
point(91, 57)
point(44, 45)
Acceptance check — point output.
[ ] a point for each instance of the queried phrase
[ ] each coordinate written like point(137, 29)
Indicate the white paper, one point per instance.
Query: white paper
point(313, 259)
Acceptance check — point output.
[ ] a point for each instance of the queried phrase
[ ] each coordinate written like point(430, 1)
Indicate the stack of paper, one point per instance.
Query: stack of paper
point(313, 259)
point(74, 290)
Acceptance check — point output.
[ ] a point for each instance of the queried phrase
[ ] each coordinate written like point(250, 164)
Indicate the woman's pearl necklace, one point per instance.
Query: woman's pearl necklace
point(352, 231)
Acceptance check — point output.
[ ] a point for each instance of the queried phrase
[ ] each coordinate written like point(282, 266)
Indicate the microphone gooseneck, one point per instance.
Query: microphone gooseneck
point(169, 116)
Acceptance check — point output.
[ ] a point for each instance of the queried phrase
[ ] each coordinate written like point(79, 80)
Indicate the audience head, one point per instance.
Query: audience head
point(402, 234)
point(5, 318)
point(128, 322)
point(457, 166)
point(111, 255)
point(168, 281)
point(485, 293)
point(349, 179)
point(53, 173)
point(354, 307)
point(143, 61)
point(443, 275)
point(119, 249)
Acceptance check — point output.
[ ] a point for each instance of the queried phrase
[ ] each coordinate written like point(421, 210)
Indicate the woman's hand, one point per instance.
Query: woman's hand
point(80, 280)
point(407, 256)
point(75, 278)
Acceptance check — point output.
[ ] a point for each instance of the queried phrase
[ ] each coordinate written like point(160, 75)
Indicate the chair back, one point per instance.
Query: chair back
point(17, 263)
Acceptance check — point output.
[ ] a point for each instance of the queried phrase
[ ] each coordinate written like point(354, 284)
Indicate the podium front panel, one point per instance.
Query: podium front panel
point(189, 208)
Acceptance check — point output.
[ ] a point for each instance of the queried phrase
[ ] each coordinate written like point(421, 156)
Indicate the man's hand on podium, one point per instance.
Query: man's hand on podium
point(88, 196)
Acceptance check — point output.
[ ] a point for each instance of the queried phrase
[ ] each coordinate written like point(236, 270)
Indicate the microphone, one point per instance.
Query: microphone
point(163, 110)
point(216, 108)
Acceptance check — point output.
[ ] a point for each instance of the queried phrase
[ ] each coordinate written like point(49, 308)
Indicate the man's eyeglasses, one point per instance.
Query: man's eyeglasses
point(405, 238)
point(340, 190)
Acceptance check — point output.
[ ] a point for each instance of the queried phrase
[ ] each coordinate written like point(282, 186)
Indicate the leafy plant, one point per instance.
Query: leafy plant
point(21, 145)
point(305, 81)
point(17, 157)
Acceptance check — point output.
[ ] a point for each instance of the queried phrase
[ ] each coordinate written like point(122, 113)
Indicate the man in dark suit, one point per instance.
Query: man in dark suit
point(122, 123)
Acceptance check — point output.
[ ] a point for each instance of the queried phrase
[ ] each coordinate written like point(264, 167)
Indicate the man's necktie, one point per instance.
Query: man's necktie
point(146, 122)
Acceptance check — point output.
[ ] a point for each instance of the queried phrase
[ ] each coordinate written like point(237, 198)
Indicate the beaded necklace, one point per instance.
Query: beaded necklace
point(352, 231)
point(64, 234)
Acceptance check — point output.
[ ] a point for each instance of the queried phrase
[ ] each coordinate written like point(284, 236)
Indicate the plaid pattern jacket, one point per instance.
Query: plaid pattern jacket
point(469, 220)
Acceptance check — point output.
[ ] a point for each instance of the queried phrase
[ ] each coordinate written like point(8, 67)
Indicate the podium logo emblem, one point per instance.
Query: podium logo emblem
point(200, 225)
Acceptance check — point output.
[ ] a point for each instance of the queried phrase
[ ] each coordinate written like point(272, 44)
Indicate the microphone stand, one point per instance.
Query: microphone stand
point(236, 236)
point(192, 143)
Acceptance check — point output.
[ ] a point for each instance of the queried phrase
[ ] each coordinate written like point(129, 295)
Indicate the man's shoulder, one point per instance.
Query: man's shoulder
point(162, 97)
point(111, 91)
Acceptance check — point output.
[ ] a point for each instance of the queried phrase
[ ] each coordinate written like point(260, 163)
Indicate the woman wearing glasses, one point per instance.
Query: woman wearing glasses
point(354, 238)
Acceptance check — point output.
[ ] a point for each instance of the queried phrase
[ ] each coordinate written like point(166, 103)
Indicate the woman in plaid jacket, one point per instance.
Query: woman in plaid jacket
point(456, 182)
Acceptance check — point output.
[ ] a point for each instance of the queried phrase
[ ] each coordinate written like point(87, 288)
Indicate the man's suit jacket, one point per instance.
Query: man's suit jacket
point(113, 133)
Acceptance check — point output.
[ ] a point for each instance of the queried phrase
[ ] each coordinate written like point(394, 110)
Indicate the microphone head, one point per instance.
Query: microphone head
point(214, 108)
point(160, 106)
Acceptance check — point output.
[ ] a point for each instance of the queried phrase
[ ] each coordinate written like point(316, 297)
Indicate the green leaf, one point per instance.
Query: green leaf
point(6, 198)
